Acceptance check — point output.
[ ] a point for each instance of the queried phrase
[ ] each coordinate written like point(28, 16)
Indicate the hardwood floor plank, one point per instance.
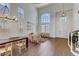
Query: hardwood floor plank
point(51, 47)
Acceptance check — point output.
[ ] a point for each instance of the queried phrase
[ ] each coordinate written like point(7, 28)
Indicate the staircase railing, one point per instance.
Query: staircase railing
point(73, 42)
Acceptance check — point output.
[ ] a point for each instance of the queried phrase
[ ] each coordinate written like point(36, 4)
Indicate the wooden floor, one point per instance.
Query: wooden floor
point(51, 47)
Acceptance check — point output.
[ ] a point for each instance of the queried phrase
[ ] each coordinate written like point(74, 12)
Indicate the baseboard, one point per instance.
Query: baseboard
point(51, 37)
point(60, 38)
point(57, 38)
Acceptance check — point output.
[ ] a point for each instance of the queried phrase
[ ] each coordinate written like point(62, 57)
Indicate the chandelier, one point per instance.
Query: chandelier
point(4, 15)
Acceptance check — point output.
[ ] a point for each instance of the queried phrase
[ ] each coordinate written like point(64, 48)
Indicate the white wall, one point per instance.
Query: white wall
point(30, 15)
point(53, 9)
point(76, 17)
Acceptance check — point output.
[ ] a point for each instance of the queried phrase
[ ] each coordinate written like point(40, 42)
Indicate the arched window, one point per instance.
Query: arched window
point(20, 12)
point(45, 21)
point(4, 8)
point(45, 18)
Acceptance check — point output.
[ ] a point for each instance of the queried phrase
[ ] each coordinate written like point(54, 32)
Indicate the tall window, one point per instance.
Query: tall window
point(21, 17)
point(45, 21)
point(4, 9)
point(20, 12)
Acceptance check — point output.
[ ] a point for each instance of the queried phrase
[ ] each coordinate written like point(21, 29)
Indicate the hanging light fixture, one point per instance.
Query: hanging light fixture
point(63, 13)
point(4, 14)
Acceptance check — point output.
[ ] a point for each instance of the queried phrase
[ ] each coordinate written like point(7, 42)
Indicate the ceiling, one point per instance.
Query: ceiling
point(39, 5)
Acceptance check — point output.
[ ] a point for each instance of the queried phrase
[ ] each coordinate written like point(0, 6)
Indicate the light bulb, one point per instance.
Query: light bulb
point(63, 15)
point(10, 20)
point(13, 16)
point(5, 19)
point(6, 15)
point(16, 19)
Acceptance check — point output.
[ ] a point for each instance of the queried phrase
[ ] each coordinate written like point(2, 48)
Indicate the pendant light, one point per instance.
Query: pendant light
point(4, 15)
point(63, 13)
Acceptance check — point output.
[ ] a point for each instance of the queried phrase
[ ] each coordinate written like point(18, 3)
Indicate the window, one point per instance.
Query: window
point(4, 9)
point(20, 12)
point(5, 4)
point(45, 21)
point(21, 17)
point(45, 18)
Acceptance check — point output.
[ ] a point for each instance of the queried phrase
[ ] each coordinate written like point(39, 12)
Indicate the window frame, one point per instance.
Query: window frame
point(46, 22)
